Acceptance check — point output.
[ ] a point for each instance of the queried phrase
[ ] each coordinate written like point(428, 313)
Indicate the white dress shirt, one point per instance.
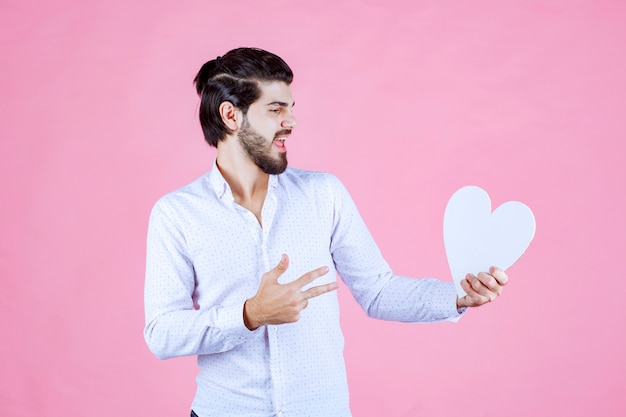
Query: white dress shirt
point(205, 258)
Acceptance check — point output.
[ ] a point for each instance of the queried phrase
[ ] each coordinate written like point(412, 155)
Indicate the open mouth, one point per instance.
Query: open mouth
point(279, 142)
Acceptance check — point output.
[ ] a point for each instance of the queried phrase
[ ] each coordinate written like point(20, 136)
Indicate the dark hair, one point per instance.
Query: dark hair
point(234, 77)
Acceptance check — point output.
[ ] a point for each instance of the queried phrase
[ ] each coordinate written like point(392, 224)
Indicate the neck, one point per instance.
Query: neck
point(247, 181)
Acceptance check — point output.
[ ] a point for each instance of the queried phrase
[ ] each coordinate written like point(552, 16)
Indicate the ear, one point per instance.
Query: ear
point(230, 115)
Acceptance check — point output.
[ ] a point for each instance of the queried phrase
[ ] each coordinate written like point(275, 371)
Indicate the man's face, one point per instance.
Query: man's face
point(267, 125)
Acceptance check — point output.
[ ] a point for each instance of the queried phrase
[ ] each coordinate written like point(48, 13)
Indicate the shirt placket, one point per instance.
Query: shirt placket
point(267, 218)
point(273, 331)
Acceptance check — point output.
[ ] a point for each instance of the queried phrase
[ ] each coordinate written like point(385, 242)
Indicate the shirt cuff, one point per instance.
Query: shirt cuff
point(231, 325)
point(454, 313)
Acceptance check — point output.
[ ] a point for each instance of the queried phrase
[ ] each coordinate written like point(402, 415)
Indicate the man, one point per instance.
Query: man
point(242, 263)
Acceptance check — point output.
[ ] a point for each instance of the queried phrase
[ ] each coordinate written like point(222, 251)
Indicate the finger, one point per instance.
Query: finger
point(479, 292)
point(475, 284)
point(466, 285)
point(279, 269)
point(472, 298)
point(499, 275)
point(319, 290)
point(465, 300)
point(489, 282)
point(310, 276)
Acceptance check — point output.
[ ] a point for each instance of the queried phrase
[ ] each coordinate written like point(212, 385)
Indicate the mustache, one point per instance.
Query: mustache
point(282, 133)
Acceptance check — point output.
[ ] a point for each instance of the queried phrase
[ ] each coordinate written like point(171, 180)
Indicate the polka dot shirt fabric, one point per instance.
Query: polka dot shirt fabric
point(205, 258)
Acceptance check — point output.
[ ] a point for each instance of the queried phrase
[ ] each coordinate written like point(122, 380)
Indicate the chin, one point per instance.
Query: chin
point(274, 167)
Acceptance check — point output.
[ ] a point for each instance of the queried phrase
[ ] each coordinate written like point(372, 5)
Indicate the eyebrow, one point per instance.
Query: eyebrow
point(281, 104)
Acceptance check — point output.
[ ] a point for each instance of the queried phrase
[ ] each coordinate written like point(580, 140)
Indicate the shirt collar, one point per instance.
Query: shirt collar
point(222, 189)
point(218, 183)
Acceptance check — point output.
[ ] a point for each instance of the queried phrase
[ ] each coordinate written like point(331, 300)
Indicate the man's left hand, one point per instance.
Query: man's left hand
point(482, 289)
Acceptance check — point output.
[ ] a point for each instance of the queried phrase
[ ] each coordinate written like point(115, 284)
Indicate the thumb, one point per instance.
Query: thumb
point(279, 269)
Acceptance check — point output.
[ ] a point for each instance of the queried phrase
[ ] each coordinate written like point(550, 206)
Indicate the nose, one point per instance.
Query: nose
point(289, 122)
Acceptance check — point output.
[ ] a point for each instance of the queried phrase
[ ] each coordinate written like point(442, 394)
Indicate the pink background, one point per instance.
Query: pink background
point(406, 101)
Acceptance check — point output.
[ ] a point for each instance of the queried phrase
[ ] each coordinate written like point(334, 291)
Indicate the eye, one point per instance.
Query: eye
point(276, 110)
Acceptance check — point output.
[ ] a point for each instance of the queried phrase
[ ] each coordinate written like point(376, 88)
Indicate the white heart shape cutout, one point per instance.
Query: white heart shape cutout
point(476, 239)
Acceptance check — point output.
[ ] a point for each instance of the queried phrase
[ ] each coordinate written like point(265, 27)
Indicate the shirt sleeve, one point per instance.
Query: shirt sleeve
point(378, 291)
point(174, 327)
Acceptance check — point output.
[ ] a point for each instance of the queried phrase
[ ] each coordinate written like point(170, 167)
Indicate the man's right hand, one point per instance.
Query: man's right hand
point(276, 303)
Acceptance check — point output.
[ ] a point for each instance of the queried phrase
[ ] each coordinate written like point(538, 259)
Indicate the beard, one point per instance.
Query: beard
point(259, 151)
